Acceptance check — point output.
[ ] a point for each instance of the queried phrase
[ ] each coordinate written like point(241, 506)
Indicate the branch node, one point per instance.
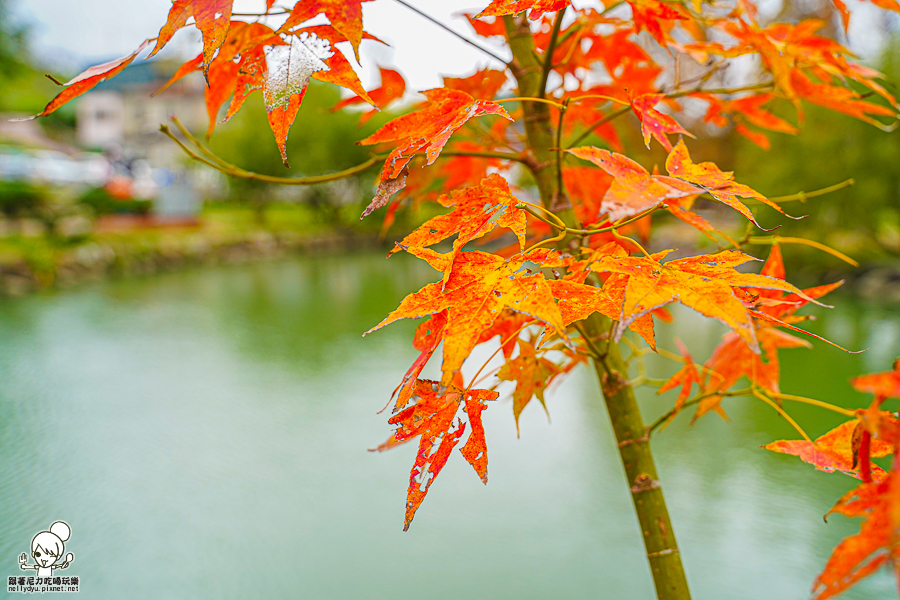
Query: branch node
point(644, 483)
point(639, 440)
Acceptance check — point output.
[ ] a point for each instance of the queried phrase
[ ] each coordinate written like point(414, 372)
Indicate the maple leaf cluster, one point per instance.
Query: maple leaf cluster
point(849, 448)
point(545, 266)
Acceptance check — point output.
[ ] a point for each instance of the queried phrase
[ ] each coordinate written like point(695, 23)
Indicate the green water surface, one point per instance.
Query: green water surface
point(205, 435)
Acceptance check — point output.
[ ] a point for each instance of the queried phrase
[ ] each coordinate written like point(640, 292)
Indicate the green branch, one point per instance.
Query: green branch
point(551, 48)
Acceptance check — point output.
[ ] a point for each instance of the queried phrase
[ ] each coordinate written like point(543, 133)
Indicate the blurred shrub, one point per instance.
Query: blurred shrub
point(103, 203)
point(19, 199)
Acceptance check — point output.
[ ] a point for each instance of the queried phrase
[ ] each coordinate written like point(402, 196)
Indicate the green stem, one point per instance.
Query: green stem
point(613, 115)
point(621, 404)
point(234, 171)
point(528, 72)
point(551, 48)
point(633, 439)
point(804, 196)
point(721, 91)
point(210, 159)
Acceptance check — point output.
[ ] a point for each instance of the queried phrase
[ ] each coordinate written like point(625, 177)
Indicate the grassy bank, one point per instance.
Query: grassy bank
point(223, 233)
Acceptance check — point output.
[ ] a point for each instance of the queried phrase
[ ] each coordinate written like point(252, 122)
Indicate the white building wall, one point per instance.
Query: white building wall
point(101, 119)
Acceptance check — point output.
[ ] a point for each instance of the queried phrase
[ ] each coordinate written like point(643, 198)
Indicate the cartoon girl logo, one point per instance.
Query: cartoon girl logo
point(47, 548)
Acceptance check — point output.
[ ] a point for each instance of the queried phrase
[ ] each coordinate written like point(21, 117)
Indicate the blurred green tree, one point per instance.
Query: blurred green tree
point(13, 47)
point(23, 88)
point(862, 220)
point(320, 145)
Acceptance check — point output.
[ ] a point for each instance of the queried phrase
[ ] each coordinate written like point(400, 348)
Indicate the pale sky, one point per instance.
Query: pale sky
point(66, 34)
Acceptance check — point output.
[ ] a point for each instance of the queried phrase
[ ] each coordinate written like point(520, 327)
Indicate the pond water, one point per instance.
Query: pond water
point(204, 433)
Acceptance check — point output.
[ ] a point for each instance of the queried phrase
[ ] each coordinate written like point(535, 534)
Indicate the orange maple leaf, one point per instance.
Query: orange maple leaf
point(860, 555)
point(252, 72)
point(511, 7)
point(680, 208)
point(344, 15)
point(482, 84)
point(224, 76)
point(647, 14)
point(834, 451)
point(750, 108)
point(479, 286)
point(532, 374)
point(426, 130)
point(212, 18)
point(426, 339)
point(733, 358)
point(686, 377)
point(486, 27)
point(506, 325)
point(634, 189)
point(653, 122)
point(883, 385)
point(238, 68)
point(839, 99)
point(747, 110)
point(477, 210)
point(288, 69)
point(720, 184)
point(392, 87)
point(704, 283)
point(251, 75)
point(86, 80)
point(586, 187)
point(432, 417)
point(340, 71)
point(577, 302)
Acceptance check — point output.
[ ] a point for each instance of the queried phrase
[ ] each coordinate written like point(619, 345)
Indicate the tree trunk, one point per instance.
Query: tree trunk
point(628, 425)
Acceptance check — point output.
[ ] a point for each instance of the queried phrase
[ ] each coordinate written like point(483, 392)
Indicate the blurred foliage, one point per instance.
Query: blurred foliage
point(20, 199)
point(862, 220)
point(12, 43)
point(103, 203)
point(24, 88)
point(320, 141)
point(23, 201)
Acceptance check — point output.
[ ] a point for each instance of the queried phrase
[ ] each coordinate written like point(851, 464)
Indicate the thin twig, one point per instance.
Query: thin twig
point(599, 97)
point(695, 400)
point(551, 47)
point(843, 411)
point(619, 236)
point(527, 206)
point(539, 217)
point(590, 129)
point(559, 152)
point(266, 14)
point(452, 32)
point(777, 239)
point(781, 412)
point(802, 196)
point(235, 171)
point(530, 99)
point(487, 154)
point(618, 224)
point(214, 161)
point(721, 91)
point(165, 130)
point(593, 350)
point(491, 357)
point(557, 238)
